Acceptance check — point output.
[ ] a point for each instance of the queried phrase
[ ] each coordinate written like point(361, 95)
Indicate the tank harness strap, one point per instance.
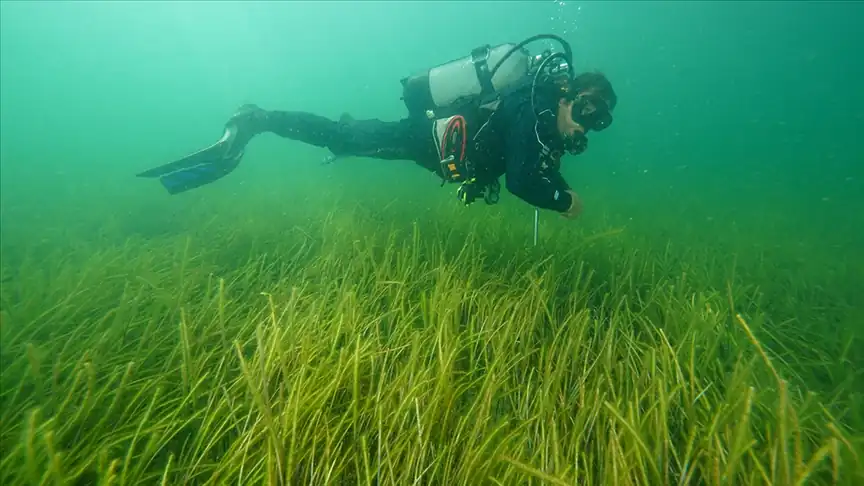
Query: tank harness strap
point(480, 59)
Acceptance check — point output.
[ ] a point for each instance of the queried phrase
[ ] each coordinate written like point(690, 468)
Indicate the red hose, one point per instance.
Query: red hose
point(455, 123)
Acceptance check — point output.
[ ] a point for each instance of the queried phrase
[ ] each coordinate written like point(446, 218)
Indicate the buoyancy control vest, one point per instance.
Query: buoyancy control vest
point(461, 95)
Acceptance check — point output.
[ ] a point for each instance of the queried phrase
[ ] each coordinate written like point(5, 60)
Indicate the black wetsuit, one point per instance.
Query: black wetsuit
point(509, 145)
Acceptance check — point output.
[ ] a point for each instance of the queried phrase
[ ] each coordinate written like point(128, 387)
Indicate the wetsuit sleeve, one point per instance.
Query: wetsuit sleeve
point(525, 177)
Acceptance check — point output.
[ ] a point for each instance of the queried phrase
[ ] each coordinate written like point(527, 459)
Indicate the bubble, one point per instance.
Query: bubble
point(565, 21)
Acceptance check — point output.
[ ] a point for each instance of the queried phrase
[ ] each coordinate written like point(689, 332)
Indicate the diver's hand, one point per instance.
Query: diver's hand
point(575, 209)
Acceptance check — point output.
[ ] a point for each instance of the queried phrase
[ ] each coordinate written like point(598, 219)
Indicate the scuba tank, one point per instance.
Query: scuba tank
point(447, 87)
point(474, 80)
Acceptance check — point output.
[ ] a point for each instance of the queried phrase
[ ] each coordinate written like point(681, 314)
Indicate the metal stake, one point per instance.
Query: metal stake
point(536, 224)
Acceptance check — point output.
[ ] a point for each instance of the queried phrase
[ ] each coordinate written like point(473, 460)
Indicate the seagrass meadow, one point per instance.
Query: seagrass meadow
point(389, 338)
point(297, 323)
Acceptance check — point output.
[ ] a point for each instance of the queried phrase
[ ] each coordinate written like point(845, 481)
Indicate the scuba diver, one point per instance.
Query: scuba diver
point(499, 111)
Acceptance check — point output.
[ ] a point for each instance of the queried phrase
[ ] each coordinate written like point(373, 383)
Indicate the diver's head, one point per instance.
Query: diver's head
point(586, 104)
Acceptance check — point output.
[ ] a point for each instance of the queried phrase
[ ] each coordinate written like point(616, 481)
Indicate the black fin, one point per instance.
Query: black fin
point(196, 176)
point(210, 154)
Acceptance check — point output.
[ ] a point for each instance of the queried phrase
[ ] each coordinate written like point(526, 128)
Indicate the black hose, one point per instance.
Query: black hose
point(567, 51)
point(553, 56)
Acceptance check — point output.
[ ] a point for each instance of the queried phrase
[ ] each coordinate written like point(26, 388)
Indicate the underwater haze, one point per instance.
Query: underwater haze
point(306, 323)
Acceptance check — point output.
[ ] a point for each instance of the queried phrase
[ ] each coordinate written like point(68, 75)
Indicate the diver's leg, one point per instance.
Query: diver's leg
point(400, 140)
point(396, 140)
point(301, 126)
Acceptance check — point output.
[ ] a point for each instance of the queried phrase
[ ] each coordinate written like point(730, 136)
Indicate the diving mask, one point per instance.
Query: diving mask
point(592, 112)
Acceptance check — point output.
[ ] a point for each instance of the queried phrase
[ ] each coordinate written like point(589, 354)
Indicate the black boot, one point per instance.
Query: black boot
point(248, 121)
